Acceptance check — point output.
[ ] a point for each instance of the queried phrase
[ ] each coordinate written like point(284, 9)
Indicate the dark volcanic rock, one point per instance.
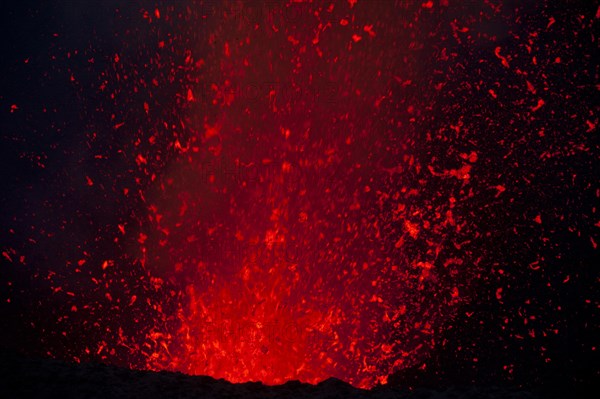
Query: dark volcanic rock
point(22, 377)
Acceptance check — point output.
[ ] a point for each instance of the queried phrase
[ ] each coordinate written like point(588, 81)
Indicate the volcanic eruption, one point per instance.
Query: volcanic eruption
point(298, 190)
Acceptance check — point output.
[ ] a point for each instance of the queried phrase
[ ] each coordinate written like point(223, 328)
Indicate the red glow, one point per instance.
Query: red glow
point(288, 243)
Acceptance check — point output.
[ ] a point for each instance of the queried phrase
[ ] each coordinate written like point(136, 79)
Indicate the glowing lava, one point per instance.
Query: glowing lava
point(298, 247)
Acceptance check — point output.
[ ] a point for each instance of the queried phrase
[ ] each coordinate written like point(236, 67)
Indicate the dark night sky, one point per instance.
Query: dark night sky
point(466, 132)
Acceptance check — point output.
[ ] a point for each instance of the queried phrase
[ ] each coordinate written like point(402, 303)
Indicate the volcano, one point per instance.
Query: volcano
point(381, 193)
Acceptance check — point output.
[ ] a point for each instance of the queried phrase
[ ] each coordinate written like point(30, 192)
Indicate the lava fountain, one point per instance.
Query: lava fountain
point(286, 222)
point(280, 190)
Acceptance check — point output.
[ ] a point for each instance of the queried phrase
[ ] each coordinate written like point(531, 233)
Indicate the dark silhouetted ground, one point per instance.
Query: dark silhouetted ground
point(22, 377)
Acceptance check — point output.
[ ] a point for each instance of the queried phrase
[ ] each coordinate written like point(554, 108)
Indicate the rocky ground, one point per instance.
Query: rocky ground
point(22, 377)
